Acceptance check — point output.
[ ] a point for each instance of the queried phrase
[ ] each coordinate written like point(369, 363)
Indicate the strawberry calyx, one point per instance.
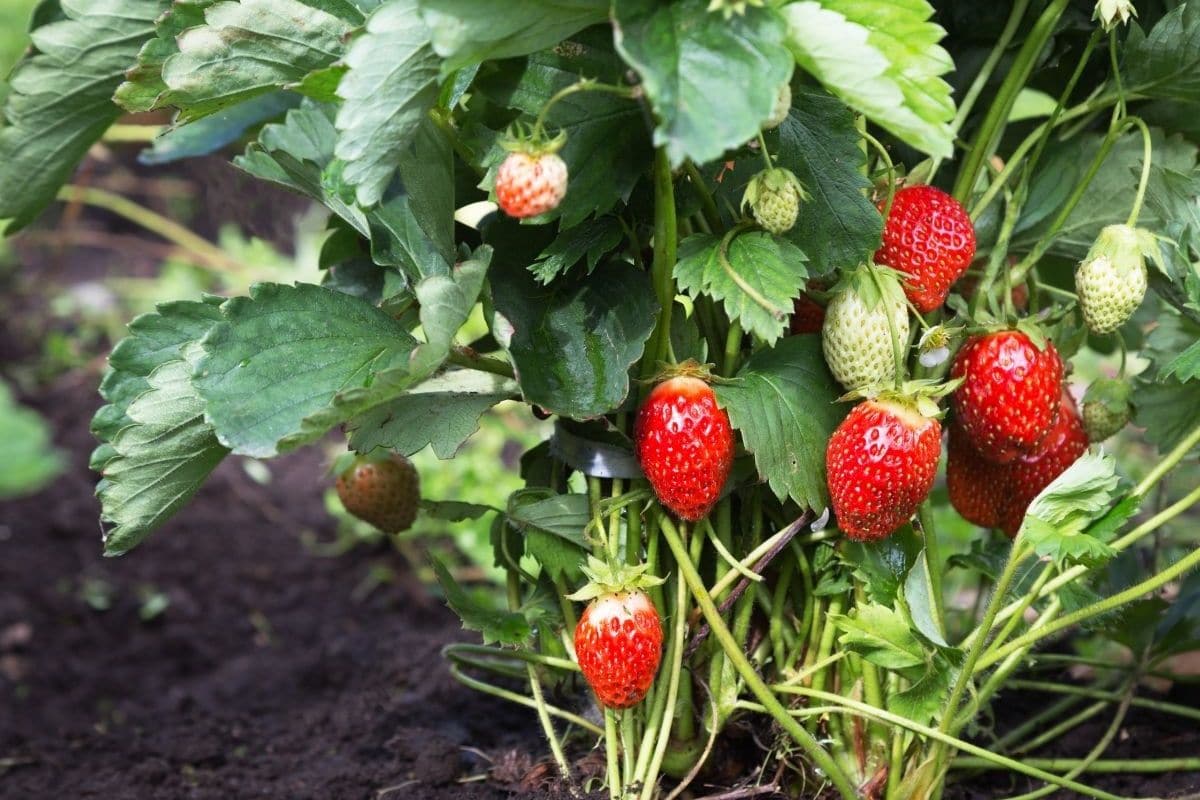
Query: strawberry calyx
point(873, 283)
point(1125, 247)
point(919, 397)
point(691, 368)
point(520, 138)
point(605, 578)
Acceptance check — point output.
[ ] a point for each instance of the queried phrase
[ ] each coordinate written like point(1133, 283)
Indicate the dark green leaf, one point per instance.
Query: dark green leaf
point(214, 132)
point(591, 240)
point(143, 83)
point(552, 525)
point(504, 627)
point(283, 353)
point(713, 81)
point(60, 97)
point(442, 412)
point(1166, 63)
point(572, 343)
point(390, 85)
point(783, 404)
point(467, 31)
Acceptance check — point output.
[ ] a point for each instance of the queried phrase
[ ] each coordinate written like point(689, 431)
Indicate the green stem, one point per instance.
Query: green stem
point(847, 706)
point(1144, 179)
point(649, 778)
point(891, 168)
point(666, 234)
point(522, 700)
point(1015, 556)
point(469, 359)
point(1101, 694)
point(612, 757)
point(762, 148)
point(933, 564)
point(208, 253)
point(1168, 463)
point(996, 119)
point(989, 66)
point(741, 664)
point(579, 86)
point(1055, 731)
point(708, 206)
point(453, 650)
point(1087, 612)
point(733, 349)
point(1107, 766)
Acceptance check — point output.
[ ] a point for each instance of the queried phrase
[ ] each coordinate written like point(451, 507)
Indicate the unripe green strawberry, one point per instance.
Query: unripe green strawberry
point(384, 493)
point(783, 104)
point(1111, 280)
point(856, 336)
point(1106, 408)
point(774, 197)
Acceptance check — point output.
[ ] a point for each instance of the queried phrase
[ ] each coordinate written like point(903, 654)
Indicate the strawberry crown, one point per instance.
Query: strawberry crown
point(1125, 247)
point(690, 368)
point(610, 578)
point(921, 396)
point(523, 138)
point(873, 284)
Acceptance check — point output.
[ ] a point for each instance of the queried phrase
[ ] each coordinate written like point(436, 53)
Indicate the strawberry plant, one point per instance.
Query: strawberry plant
point(609, 210)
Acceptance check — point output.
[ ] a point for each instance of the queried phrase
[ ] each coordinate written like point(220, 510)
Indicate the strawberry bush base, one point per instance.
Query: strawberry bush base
point(395, 117)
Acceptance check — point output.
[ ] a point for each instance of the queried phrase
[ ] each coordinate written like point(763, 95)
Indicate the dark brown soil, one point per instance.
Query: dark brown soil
point(268, 675)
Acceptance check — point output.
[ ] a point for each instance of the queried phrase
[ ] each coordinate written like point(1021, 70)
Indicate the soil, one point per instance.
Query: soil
point(270, 673)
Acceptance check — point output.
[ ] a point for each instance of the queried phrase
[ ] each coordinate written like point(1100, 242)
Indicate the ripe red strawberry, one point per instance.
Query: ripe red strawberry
point(1010, 395)
point(618, 643)
point(929, 237)
point(1030, 474)
point(528, 184)
point(807, 316)
point(977, 487)
point(880, 465)
point(685, 445)
point(384, 493)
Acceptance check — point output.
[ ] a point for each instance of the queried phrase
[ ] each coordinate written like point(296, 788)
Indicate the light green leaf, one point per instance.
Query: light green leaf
point(391, 83)
point(572, 343)
point(60, 97)
point(552, 525)
point(882, 566)
point(881, 636)
point(757, 279)
point(882, 57)
point(282, 354)
point(443, 412)
point(161, 458)
point(494, 625)
point(1032, 104)
point(783, 404)
point(712, 81)
point(252, 47)
point(925, 700)
point(1057, 519)
point(918, 594)
point(467, 31)
point(27, 458)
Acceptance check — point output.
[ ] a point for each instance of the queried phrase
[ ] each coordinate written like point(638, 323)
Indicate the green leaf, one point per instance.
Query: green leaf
point(445, 303)
point(60, 97)
point(757, 280)
point(1057, 520)
point(552, 526)
point(1166, 63)
point(572, 343)
point(143, 85)
point(918, 594)
point(467, 31)
point(1186, 366)
point(154, 339)
point(881, 636)
point(282, 354)
point(504, 627)
point(161, 458)
point(455, 510)
point(882, 57)
point(1107, 198)
point(252, 47)
point(838, 226)
point(442, 412)
point(391, 83)
point(712, 81)
point(413, 228)
point(588, 241)
point(882, 566)
point(1168, 408)
point(925, 700)
point(606, 148)
point(783, 403)
point(208, 135)
point(27, 458)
